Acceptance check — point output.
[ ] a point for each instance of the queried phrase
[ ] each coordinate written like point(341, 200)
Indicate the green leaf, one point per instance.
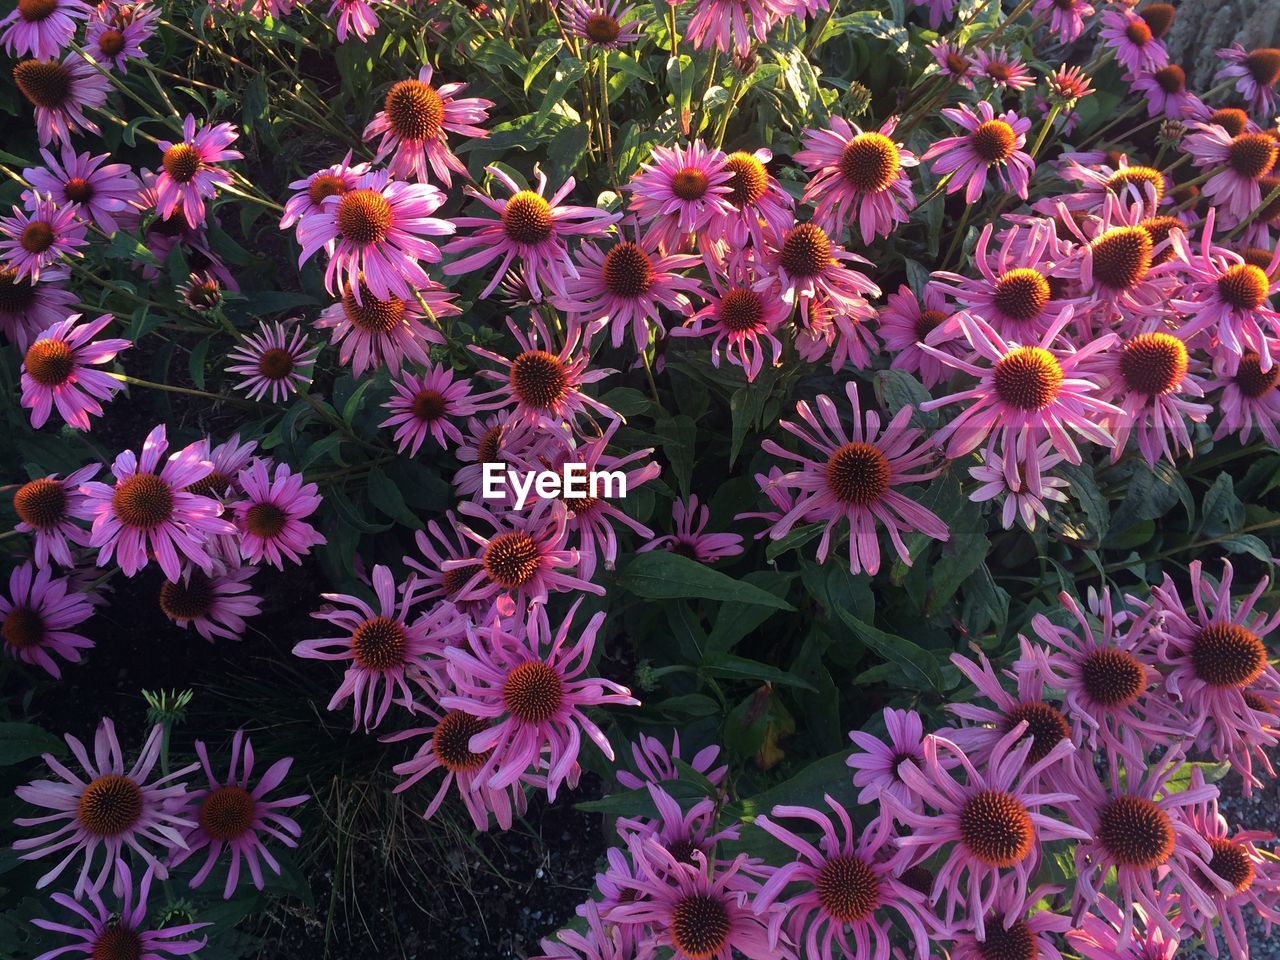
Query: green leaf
point(545, 53)
point(679, 437)
point(661, 575)
point(22, 741)
point(796, 537)
point(919, 667)
point(1221, 510)
point(732, 667)
point(687, 705)
point(386, 496)
point(735, 620)
point(195, 363)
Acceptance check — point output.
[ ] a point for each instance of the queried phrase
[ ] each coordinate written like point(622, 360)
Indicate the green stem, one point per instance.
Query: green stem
point(188, 391)
point(734, 93)
point(1044, 130)
point(606, 125)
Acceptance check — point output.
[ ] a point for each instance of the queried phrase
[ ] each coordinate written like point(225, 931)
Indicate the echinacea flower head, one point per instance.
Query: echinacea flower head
point(531, 688)
point(1241, 160)
point(311, 191)
point(991, 144)
point(690, 539)
point(187, 176)
point(725, 25)
point(905, 322)
point(1066, 17)
point(1099, 936)
point(682, 832)
point(47, 507)
point(113, 806)
point(149, 512)
point(681, 191)
point(271, 517)
point(116, 32)
point(851, 475)
point(372, 332)
point(760, 206)
point(275, 361)
point(414, 122)
point(1166, 92)
point(60, 92)
point(425, 405)
point(804, 266)
point(37, 618)
point(1249, 398)
point(952, 62)
point(1016, 928)
point(601, 24)
point(1004, 71)
point(57, 371)
point(201, 292)
point(742, 322)
point(28, 306)
point(531, 229)
point(215, 604)
point(859, 174)
point(656, 764)
point(1136, 46)
point(235, 814)
point(375, 231)
point(119, 931)
point(1067, 85)
point(876, 759)
point(104, 193)
point(41, 28)
point(1255, 72)
point(32, 241)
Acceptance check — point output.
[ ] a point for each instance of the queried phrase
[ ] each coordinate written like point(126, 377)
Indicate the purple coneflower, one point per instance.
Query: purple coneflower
point(1015, 929)
point(47, 507)
point(952, 62)
point(905, 323)
point(1099, 936)
point(215, 604)
point(680, 831)
point(1003, 70)
point(103, 192)
point(355, 18)
point(310, 192)
point(29, 306)
point(876, 760)
point(804, 265)
point(60, 92)
point(656, 764)
point(57, 371)
point(438, 543)
point(37, 616)
point(990, 143)
point(760, 206)
point(1246, 157)
point(372, 332)
point(1249, 398)
point(275, 360)
point(1137, 49)
point(601, 24)
point(1024, 492)
point(1256, 73)
point(739, 317)
point(1166, 92)
point(117, 31)
point(1066, 17)
point(42, 28)
point(271, 516)
point(187, 175)
point(725, 25)
point(425, 405)
point(682, 191)
point(35, 240)
point(689, 540)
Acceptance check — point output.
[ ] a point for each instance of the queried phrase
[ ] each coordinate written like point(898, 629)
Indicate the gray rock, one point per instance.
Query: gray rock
point(1205, 26)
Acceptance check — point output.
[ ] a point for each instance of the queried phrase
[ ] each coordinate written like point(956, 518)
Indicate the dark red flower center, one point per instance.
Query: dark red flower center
point(1045, 726)
point(539, 379)
point(214, 486)
point(1172, 79)
point(415, 111)
point(994, 141)
point(689, 183)
point(110, 42)
point(1158, 229)
point(700, 925)
point(1138, 33)
point(22, 628)
point(371, 314)
point(187, 599)
point(1138, 178)
point(33, 11)
point(429, 405)
point(527, 218)
point(1243, 286)
point(1028, 378)
point(275, 363)
point(1017, 942)
point(227, 813)
point(870, 162)
point(848, 888)
point(265, 520)
point(1158, 17)
point(858, 474)
point(451, 742)
point(601, 28)
point(17, 294)
point(1135, 832)
point(1153, 364)
point(533, 691)
point(511, 559)
point(1231, 119)
point(1252, 155)
point(927, 322)
point(996, 828)
point(142, 501)
point(1250, 379)
point(78, 190)
point(1228, 655)
point(627, 270)
point(117, 942)
point(806, 251)
point(45, 83)
point(37, 236)
point(1231, 862)
point(49, 362)
point(741, 310)
point(325, 185)
point(41, 503)
point(379, 644)
point(181, 162)
point(109, 805)
point(1112, 678)
point(1263, 65)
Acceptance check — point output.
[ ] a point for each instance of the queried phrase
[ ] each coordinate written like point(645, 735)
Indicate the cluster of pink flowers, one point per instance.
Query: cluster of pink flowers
point(1079, 753)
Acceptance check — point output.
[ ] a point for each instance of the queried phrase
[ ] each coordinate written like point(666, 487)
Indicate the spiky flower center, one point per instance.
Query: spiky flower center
point(1138, 33)
point(46, 83)
point(1250, 379)
point(187, 599)
point(364, 216)
point(1172, 79)
point(1153, 364)
point(1112, 678)
point(927, 322)
point(371, 314)
point(1017, 942)
point(142, 501)
point(741, 310)
point(265, 519)
point(78, 190)
point(110, 42)
point(453, 580)
point(181, 162)
point(17, 294)
point(429, 405)
point(1022, 294)
point(806, 251)
point(999, 71)
point(33, 11)
point(1045, 726)
point(1139, 178)
point(325, 185)
point(1258, 256)
point(37, 236)
point(1158, 229)
point(1242, 286)
point(749, 181)
point(858, 474)
point(1135, 832)
point(689, 183)
point(848, 888)
point(451, 742)
point(959, 64)
point(1121, 257)
point(215, 485)
point(996, 828)
point(511, 559)
point(1231, 119)
point(1252, 155)
point(1254, 701)
point(109, 805)
point(23, 628)
point(601, 28)
point(627, 271)
point(41, 503)
point(379, 644)
point(49, 362)
point(1227, 655)
point(488, 446)
point(918, 878)
point(117, 942)
point(1231, 862)
point(539, 379)
point(415, 111)
point(870, 162)
point(533, 691)
point(527, 218)
point(1263, 65)
point(699, 925)
point(1028, 378)
point(1159, 17)
point(275, 363)
point(994, 141)
point(227, 813)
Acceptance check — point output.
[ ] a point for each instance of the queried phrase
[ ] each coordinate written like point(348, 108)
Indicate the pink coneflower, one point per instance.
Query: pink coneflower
point(530, 684)
point(847, 889)
point(496, 439)
point(382, 646)
point(413, 123)
point(991, 143)
point(529, 228)
point(1130, 37)
point(601, 941)
point(625, 286)
point(876, 761)
point(235, 814)
point(860, 173)
point(120, 932)
point(544, 387)
point(1256, 73)
point(952, 62)
point(1066, 17)
point(656, 764)
point(1217, 665)
point(1015, 928)
point(725, 25)
point(424, 405)
point(438, 543)
point(215, 604)
point(148, 511)
point(1139, 837)
point(102, 192)
point(228, 459)
point(1099, 937)
point(760, 206)
point(992, 822)
point(739, 318)
point(37, 616)
point(187, 177)
point(112, 807)
point(311, 192)
point(116, 32)
point(42, 28)
point(1132, 184)
point(355, 19)
point(47, 507)
point(275, 360)
point(201, 292)
point(681, 191)
point(60, 92)
point(1023, 492)
point(33, 241)
point(1066, 85)
point(843, 327)
point(523, 560)
point(601, 24)
point(372, 332)
point(689, 540)
point(853, 479)
point(1250, 397)
point(681, 832)
point(1248, 157)
point(904, 325)
point(376, 232)
point(698, 910)
point(804, 265)
point(29, 306)
point(1166, 92)
point(57, 371)
point(270, 518)
point(1003, 70)
point(1028, 394)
